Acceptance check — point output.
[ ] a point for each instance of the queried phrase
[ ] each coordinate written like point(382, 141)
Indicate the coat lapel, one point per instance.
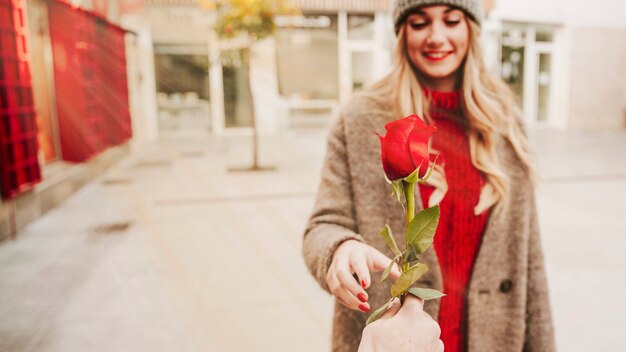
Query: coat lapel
point(493, 238)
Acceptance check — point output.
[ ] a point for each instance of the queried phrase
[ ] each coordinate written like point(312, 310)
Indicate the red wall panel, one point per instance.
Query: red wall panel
point(19, 166)
point(90, 82)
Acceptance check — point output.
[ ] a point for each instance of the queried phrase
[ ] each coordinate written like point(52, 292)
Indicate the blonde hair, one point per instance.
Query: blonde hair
point(488, 105)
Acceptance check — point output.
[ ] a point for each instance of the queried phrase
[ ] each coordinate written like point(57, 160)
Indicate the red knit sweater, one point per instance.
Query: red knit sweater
point(460, 232)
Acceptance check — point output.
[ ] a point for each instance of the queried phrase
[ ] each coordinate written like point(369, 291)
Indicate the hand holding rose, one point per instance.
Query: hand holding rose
point(354, 257)
point(403, 329)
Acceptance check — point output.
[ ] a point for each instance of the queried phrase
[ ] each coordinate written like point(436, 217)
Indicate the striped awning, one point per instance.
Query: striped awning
point(171, 2)
point(305, 5)
point(343, 5)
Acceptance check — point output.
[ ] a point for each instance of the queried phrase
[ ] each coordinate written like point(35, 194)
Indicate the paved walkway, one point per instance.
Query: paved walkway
point(168, 251)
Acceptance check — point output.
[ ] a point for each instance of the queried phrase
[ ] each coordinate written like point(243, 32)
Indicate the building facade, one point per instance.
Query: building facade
point(315, 61)
point(574, 57)
point(300, 76)
point(64, 104)
point(564, 59)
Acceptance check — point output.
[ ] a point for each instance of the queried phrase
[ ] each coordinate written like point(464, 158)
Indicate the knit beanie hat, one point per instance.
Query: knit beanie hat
point(403, 8)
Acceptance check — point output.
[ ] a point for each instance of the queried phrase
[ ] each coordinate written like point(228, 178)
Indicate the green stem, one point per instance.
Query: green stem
point(409, 193)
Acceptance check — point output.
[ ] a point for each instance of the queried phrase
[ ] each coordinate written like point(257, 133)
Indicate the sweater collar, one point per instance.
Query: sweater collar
point(443, 100)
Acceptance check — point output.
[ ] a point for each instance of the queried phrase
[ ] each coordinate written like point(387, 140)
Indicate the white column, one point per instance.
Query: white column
point(491, 45)
point(216, 85)
point(560, 67)
point(345, 67)
point(142, 81)
point(530, 78)
point(382, 59)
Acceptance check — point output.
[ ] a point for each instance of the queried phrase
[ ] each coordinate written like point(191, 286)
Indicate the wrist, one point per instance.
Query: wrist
point(366, 344)
point(345, 244)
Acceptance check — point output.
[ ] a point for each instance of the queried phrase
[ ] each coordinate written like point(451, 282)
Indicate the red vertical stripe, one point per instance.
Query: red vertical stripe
point(19, 166)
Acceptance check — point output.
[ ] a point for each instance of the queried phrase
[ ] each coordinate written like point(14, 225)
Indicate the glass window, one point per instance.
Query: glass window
point(512, 70)
point(513, 36)
point(177, 73)
point(307, 59)
point(182, 82)
point(362, 63)
point(360, 27)
point(543, 34)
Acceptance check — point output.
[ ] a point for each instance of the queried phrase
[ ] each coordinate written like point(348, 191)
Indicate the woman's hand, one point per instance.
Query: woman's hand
point(403, 329)
point(354, 257)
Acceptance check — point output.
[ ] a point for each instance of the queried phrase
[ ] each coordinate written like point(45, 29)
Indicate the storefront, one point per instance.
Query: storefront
point(63, 100)
point(300, 77)
point(565, 60)
point(316, 61)
point(324, 57)
point(527, 57)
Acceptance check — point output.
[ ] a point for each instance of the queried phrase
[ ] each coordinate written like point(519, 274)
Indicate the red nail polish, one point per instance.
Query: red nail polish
point(363, 283)
point(364, 308)
point(361, 297)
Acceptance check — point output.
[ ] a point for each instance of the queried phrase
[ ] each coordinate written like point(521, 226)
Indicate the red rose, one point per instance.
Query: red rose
point(405, 147)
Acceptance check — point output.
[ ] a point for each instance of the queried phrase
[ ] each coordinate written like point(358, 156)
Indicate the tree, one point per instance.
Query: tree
point(252, 21)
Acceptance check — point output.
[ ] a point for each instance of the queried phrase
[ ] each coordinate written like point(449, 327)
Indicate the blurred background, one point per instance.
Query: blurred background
point(123, 226)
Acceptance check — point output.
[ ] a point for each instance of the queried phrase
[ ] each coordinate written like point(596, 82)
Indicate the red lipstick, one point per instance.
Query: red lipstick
point(431, 58)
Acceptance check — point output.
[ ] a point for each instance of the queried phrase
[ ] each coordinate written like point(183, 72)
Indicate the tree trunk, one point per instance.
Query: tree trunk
point(255, 143)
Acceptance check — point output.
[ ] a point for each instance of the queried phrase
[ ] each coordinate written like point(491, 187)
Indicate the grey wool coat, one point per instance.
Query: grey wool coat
point(508, 303)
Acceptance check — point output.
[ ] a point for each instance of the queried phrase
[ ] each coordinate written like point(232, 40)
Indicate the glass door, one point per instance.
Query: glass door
point(526, 65)
point(43, 85)
point(236, 95)
point(362, 72)
point(544, 83)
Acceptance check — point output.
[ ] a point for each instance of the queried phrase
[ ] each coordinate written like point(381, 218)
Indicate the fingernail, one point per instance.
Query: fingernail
point(364, 308)
point(361, 297)
point(363, 283)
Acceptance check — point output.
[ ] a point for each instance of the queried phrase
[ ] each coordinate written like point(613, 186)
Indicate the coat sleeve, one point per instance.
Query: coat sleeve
point(332, 221)
point(539, 329)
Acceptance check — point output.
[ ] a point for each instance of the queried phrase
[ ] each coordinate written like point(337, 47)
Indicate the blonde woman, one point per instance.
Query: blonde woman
point(487, 253)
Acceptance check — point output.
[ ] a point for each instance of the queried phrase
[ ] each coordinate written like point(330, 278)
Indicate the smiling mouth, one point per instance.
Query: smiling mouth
point(436, 56)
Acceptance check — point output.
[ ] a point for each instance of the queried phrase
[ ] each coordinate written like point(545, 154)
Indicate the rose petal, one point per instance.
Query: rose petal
point(418, 146)
point(395, 147)
point(396, 160)
point(401, 153)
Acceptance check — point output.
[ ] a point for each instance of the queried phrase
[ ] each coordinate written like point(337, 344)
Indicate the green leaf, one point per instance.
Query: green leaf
point(414, 177)
point(425, 293)
point(388, 270)
point(409, 255)
point(421, 230)
point(387, 235)
point(398, 191)
point(408, 278)
point(372, 318)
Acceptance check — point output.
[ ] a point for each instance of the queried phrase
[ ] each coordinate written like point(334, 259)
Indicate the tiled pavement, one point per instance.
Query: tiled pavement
point(168, 251)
